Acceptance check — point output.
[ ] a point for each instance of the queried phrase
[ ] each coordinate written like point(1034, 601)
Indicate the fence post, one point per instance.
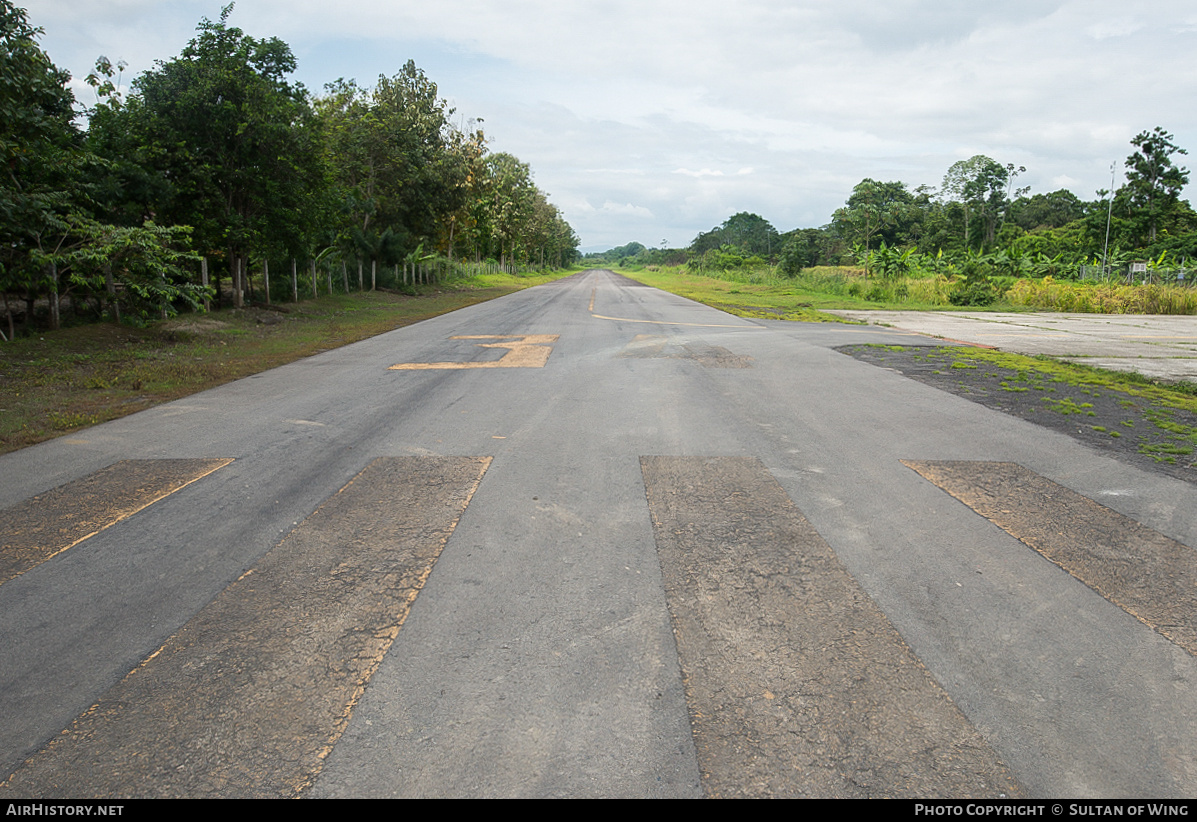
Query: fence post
point(115, 303)
point(54, 318)
point(203, 282)
point(238, 284)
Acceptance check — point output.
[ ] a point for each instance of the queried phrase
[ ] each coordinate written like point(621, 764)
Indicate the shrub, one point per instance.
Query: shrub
point(977, 287)
point(1103, 299)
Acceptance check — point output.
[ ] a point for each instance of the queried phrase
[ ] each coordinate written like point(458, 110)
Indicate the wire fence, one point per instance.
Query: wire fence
point(1126, 275)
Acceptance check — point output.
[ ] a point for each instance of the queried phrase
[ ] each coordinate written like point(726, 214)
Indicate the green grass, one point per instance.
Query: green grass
point(765, 300)
point(1066, 406)
point(1162, 398)
point(52, 383)
point(767, 295)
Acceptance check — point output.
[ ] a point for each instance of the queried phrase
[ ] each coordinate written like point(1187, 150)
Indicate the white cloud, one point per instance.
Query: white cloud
point(1118, 27)
point(626, 208)
point(691, 111)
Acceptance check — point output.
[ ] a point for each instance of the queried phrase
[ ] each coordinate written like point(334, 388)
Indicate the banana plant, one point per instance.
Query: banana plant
point(893, 262)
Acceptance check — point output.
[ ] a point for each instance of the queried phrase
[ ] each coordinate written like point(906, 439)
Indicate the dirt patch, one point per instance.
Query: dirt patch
point(191, 327)
point(1129, 424)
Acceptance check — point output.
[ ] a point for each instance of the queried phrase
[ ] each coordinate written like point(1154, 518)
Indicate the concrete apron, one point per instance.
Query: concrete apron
point(1156, 346)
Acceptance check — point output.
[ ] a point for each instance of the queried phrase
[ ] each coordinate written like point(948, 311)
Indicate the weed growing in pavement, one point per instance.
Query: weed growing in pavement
point(1164, 413)
point(1067, 406)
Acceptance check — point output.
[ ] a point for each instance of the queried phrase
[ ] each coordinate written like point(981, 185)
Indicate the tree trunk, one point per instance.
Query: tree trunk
point(294, 281)
point(54, 318)
point(12, 334)
point(110, 286)
point(203, 282)
point(238, 295)
point(266, 279)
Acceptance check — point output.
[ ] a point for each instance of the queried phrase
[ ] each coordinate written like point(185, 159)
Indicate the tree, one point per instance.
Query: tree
point(800, 250)
point(39, 151)
point(509, 204)
point(1153, 182)
point(747, 233)
point(1045, 211)
point(875, 209)
point(397, 160)
point(232, 143)
point(980, 184)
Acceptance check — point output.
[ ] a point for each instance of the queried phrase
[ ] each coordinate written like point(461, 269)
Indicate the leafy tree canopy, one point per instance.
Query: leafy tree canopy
point(1153, 181)
point(750, 233)
point(37, 138)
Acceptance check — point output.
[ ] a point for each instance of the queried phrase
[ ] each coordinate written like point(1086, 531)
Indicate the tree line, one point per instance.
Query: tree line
point(216, 163)
point(977, 213)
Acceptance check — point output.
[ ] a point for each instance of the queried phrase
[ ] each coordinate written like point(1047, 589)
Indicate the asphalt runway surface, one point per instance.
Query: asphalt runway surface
point(592, 539)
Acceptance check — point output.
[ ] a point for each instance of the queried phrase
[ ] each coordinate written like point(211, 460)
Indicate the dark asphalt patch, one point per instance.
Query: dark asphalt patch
point(250, 696)
point(1133, 428)
point(1150, 576)
point(50, 523)
point(659, 347)
point(797, 683)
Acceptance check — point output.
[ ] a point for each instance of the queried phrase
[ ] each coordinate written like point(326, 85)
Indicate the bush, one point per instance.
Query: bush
point(1083, 298)
point(977, 286)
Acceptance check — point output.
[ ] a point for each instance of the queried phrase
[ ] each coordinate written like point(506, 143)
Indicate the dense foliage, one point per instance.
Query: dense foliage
point(216, 160)
point(968, 242)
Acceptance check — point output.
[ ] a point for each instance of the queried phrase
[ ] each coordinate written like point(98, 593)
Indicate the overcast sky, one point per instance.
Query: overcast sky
point(653, 120)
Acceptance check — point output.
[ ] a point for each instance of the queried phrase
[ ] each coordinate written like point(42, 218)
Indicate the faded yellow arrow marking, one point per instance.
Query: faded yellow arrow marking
point(526, 351)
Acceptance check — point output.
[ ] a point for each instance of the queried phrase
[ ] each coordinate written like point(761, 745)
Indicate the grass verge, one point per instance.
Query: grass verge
point(807, 296)
point(1122, 413)
point(56, 382)
point(766, 300)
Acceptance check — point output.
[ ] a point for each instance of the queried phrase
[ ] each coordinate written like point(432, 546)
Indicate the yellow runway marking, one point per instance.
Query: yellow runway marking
point(48, 524)
point(249, 698)
point(527, 351)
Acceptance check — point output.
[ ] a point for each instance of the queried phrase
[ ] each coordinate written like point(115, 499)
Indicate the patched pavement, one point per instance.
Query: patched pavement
point(593, 540)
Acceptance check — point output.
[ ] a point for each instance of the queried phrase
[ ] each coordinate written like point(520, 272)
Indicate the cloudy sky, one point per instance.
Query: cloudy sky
point(653, 120)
